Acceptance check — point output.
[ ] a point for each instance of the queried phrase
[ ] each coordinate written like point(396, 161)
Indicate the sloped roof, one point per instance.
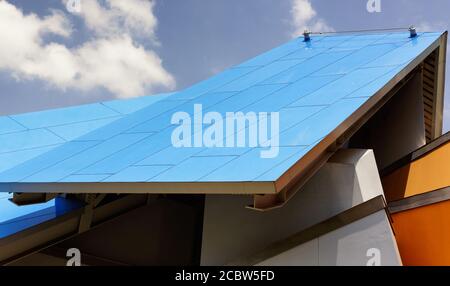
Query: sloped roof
point(320, 88)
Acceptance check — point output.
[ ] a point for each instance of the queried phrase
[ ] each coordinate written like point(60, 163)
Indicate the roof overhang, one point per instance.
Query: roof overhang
point(247, 188)
point(269, 195)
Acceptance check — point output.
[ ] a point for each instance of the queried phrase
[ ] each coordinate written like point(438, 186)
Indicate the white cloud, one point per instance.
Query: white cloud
point(425, 26)
point(118, 16)
point(305, 17)
point(112, 59)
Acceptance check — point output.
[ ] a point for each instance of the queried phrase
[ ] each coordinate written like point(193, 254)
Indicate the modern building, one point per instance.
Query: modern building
point(327, 150)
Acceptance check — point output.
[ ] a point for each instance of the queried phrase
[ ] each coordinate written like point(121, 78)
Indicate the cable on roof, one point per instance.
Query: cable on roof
point(361, 31)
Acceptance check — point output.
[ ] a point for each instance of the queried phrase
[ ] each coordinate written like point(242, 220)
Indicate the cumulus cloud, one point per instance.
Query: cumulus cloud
point(305, 17)
point(134, 17)
point(425, 26)
point(112, 58)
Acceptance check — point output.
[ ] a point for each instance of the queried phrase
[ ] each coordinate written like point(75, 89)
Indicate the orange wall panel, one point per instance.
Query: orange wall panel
point(428, 173)
point(423, 234)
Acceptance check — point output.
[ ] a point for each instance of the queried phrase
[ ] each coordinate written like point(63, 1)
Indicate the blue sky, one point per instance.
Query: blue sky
point(181, 42)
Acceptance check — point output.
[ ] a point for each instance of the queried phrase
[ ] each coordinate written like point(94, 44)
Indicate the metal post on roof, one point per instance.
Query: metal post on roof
point(306, 35)
point(412, 32)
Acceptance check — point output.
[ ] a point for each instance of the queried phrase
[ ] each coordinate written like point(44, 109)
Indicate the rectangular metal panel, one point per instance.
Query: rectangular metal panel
point(137, 173)
point(313, 128)
point(213, 83)
point(356, 59)
point(193, 169)
point(128, 122)
point(259, 75)
point(7, 125)
point(13, 159)
point(283, 52)
point(75, 130)
point(27, 140)
point(63, 116)
point(83, 159)
point(307, 67)
point(44, 161)
point(134, 104)
point(163, 121)
point(289, 94)
point(233, 172)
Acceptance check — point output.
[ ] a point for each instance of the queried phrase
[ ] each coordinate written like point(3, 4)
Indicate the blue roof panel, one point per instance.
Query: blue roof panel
point(162, 121)
point(170, 156)
point(213, 83)
point(304, 53)
point(44, 160)
point(319, 125)
point(342, 87)
point(233, 170)
point(193, 169)
point(84, 178)
point(259, 75)
point(134, 104)
point(7, 125)
point(132, 120)
point(12, 159)
point(28, 139)
point(274, 173)
point(307, 67)
point(360, 41)
point(405, 53)
point(84, 158)
point(290, 93)
point(289, 50)
point(73, 131)
point(356, 59)
point(129, 154)
point(137, 173)
point(372, 87)
point(63, 116)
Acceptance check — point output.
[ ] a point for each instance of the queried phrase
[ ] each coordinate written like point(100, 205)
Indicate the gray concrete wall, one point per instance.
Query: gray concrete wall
point(231, 232)
point(354, 244)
